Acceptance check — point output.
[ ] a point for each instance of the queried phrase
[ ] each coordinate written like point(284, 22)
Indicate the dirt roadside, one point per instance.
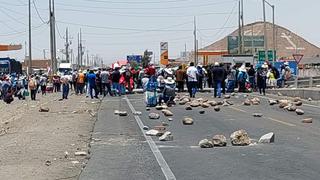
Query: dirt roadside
point(42, 145)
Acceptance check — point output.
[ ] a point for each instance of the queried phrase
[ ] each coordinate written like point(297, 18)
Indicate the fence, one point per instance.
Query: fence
point(305, 82)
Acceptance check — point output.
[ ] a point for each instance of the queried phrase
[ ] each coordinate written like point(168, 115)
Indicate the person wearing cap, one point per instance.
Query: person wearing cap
point(168, 93)
point(192, 74)
point(218, 75)
point(242, 78)
point(262, 78)
point(115, 76)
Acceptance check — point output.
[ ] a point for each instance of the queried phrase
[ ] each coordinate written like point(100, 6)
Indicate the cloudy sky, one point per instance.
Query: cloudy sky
point(114, 29)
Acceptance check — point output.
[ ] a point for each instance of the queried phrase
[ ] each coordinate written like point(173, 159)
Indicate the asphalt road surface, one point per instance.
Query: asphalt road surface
point(121, 151)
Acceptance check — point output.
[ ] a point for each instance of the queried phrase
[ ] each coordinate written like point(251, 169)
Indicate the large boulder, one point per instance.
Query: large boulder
point(267, 138)
point(247, 102)
point(255, 101)
point(298, 103)
point(188, 108)
point(187, 121)
point(227, 96)
point(308, 120)
point(219, 140)
point(205, 143)
point(291, 107)
point(212, 103)
point(217, 108)
point(154, 116)
point(205, 105)
point(296, 99)
point(182, 102)
point(195, 104)
point(153, 132)
point(166, 112)
point(299, 112)
point(167, 136)
point(123, 113)
point(159, 107)
point(273, 102)
point(240, 138)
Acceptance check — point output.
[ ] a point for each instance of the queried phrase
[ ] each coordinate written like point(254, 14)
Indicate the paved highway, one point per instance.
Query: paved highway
point(121, 151)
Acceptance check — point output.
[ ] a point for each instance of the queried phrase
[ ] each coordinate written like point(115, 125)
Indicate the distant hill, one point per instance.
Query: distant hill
point(287, 42)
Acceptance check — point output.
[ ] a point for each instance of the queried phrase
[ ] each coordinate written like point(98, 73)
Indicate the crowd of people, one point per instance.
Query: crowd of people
point(159, 84)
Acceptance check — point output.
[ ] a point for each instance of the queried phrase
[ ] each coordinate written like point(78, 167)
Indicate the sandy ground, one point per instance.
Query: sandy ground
point(33, 144)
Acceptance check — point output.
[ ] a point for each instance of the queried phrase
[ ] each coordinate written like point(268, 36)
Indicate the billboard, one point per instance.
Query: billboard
point(136, 58)
point(164, 59)
point(251, 44)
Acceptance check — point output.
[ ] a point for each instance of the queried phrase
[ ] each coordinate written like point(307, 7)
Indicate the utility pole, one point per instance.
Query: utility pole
point(30, 45)
point(195, 42)
point(81, 48)
point(274, 34)
point(242, 29)
point(53, 47)
point(78, 58)
point(239, 31)
point(265, 31)
point(67, 46)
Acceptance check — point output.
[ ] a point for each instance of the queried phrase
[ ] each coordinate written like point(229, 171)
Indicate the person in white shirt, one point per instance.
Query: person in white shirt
point(192, 73)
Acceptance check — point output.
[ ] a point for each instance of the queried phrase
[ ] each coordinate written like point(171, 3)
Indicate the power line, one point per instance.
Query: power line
point(137, 2)
point(151, 8)
point(35, 7)
point(13, 18)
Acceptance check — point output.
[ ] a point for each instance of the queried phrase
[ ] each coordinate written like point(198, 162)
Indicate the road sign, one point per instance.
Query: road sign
point(262, 56)
point(136, 58)
point(297, 57)
point(164, 59)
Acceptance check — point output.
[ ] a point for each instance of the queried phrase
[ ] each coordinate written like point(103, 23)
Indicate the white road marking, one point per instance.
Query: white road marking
point(155, 150)
point(282, 122)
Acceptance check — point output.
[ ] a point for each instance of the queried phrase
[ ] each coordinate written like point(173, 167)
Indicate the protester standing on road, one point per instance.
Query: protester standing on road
point(252, 76)
point(218, 75)
point(262, 78)
point(242, 78)
point(65, 86)
point(92, 84)
point(231, 79)
point(192, 74)
point(80, 79)
point(180, 77)
point(56, 83)
point(200, 76)
point(115, 81)
point(33, 87)
point(105, 81)
point(43, 84)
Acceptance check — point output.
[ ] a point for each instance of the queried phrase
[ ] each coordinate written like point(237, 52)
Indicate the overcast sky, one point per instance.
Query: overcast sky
point(114, 29)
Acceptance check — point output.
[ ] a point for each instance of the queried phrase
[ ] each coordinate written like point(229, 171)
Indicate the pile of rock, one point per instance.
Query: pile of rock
point(237, 138)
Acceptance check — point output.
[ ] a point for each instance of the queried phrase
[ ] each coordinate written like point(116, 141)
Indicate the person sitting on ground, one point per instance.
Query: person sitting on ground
point(168, 92)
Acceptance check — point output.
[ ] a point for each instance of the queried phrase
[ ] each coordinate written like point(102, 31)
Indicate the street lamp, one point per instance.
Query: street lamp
point(273, 30)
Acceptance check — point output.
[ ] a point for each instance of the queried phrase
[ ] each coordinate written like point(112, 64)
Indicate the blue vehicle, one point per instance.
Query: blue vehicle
point(10, 66)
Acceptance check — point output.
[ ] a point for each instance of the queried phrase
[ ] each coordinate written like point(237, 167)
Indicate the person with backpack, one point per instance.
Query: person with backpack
point(33, 87)
point(262, 78)
point(242, 79)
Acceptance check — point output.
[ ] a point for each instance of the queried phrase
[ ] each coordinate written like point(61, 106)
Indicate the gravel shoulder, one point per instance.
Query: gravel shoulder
point(33, 144)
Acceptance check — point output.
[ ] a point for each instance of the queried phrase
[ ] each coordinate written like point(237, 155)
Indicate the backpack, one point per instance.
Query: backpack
point(32, 84)
point(242, 77)
point(152, 84)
